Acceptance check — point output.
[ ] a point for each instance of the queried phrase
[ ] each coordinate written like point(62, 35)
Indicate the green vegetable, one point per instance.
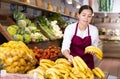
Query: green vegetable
point(22, 23)
point(18, 37)
point(27, 30)
point(17, 15)
point(27, 38)
point(36, 37)
point(12, 30)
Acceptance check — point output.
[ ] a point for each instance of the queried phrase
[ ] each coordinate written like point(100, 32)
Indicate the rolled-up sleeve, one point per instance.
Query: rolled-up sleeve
point(67, 37)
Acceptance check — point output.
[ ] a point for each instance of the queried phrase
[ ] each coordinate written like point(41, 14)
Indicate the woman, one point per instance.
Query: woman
point(79, 35)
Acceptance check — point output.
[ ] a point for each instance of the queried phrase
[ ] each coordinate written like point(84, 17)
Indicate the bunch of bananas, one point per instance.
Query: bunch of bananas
point(93, 49)
point(98, 72)
point(80, 69)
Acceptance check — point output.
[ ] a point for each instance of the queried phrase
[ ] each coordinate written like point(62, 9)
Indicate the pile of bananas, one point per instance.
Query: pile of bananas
point(93, 49)
point(62, 69)
point(17, 57)
point(98, 72)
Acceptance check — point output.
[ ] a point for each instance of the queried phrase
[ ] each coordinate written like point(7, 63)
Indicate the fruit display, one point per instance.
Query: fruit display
point(93, 49)
point(50, 52)
point(61, 68)
point(17, 57)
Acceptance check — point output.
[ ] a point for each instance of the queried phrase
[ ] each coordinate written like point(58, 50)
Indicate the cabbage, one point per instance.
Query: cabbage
point(18, 37)
point(27, 38)
point(12, 30)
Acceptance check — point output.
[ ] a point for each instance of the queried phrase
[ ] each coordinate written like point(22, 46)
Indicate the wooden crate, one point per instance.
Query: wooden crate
point(5, 21)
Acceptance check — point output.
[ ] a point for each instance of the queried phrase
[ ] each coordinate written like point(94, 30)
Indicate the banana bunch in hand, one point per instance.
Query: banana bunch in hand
point(94, 49)
point(98, 72)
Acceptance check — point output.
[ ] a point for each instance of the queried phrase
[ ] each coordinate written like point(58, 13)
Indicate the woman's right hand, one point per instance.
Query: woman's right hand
point(70, 58)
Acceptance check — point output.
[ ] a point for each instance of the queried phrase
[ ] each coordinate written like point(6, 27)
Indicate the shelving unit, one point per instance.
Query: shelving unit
point(42, 44)
point(109, 24)
point(33, 7)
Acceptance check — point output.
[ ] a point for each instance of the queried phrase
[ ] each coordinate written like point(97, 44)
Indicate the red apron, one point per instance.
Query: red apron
point(78, 45)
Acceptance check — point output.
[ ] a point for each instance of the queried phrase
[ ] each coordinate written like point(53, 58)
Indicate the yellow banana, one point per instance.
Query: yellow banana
point(82, 62)
point(62, 66)
point(75, 65)
point(53, 70)
point(72, 76)
point(98, 56)
point(44, 66)
point(62, 60)
point(47, 61)
point(79, 64)
point(100, 72)
point(95, 49)
point(54, 76)
point(96, 73)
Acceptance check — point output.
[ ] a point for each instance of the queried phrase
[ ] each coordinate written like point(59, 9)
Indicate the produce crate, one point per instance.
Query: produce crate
point(5, 21)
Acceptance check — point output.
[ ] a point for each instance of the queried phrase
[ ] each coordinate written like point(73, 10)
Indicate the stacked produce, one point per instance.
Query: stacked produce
point(62, 69)
point(25, 30)
point(17, 57)
point(98, 72)
point(49, 53)
point(93, 49)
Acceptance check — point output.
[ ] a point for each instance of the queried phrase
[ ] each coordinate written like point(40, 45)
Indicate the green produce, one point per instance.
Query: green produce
point(17, 15)
point(12, 30)
point(27, 38)
point(36, 37)
point(46, 27)
point(18, 37)
point(22, 23)
point(27, 30)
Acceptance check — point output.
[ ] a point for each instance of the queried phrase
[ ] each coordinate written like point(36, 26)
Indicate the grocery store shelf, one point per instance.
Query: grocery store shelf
point(33, 6)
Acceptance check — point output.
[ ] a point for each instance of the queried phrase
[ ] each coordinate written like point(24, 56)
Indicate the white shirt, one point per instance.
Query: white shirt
point(70, 31)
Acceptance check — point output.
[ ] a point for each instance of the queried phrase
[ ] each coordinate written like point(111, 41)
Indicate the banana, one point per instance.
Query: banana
point(44, 66)
point(82, 62)
point(98, 56)
point(72, 76)
point(75, 64)
point(100, 72)
point(47, 61)
point(79, 64)
point(53, 70)
point(62, 60)
point(96, 73)
point(62, 66)
point(54, 76)
point(98, 51)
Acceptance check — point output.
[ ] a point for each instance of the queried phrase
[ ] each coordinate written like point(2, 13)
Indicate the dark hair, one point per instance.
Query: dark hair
point(85, 7)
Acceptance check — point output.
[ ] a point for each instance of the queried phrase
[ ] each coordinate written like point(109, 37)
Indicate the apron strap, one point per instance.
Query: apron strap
point(88, 31)
point(76, 28)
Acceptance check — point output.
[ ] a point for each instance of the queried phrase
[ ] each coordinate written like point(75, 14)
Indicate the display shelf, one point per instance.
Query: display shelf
point(34, 7)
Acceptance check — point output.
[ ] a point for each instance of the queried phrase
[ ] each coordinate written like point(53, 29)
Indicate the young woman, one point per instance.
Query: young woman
point(79, 35)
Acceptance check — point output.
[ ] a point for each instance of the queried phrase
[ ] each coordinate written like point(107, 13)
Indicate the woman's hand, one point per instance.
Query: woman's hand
point(70, 58)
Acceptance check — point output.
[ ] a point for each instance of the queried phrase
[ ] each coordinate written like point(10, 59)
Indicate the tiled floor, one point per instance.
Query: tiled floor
point(112, 66)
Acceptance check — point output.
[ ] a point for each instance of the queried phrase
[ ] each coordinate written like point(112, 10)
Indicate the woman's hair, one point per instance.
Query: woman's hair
point(85, 7)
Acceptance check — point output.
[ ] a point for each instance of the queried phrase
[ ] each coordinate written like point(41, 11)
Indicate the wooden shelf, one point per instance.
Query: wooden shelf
point(33, 6)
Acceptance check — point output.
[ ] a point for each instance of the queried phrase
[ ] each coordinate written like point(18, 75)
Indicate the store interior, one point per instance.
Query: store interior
point(106, 18)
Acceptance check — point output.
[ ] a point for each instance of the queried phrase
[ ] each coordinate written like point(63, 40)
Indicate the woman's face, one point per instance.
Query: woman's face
point(85, 17)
